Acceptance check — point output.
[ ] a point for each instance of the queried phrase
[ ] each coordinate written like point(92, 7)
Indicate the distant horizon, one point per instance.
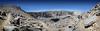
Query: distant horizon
point(45, 5)
point(44, 10)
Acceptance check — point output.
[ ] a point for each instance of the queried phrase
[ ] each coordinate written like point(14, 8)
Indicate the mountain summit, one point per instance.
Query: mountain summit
point(13, 18)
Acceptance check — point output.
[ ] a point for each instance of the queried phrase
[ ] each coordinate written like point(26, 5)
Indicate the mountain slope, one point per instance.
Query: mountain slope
point(13, 18)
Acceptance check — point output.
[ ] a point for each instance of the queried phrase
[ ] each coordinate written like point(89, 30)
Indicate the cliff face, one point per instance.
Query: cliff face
point(94, 16)
point(13, 18)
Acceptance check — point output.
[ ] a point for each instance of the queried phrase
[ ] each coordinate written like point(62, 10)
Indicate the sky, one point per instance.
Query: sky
point(45, 5)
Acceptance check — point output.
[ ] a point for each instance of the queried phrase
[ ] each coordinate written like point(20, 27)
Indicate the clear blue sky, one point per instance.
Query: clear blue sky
point(36, 5)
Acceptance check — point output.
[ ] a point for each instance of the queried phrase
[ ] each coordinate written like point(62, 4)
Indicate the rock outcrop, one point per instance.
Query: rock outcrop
point(13, 18)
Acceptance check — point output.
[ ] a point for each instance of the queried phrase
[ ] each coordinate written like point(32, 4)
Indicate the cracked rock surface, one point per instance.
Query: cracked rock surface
point(13, 18)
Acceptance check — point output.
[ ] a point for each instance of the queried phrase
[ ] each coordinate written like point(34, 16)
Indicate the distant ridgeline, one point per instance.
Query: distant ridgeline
point(13, 18)
point(50, 13)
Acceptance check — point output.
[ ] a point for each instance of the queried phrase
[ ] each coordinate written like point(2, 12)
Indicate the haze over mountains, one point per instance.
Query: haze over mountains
point(13, 18)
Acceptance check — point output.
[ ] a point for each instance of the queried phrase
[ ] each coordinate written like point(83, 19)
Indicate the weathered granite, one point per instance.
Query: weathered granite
point(13, 18)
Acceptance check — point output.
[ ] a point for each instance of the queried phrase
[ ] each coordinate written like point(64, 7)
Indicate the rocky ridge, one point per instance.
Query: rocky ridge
point(13, 18)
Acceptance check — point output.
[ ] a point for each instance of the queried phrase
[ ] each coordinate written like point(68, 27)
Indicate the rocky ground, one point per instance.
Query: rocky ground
point(13, 18)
